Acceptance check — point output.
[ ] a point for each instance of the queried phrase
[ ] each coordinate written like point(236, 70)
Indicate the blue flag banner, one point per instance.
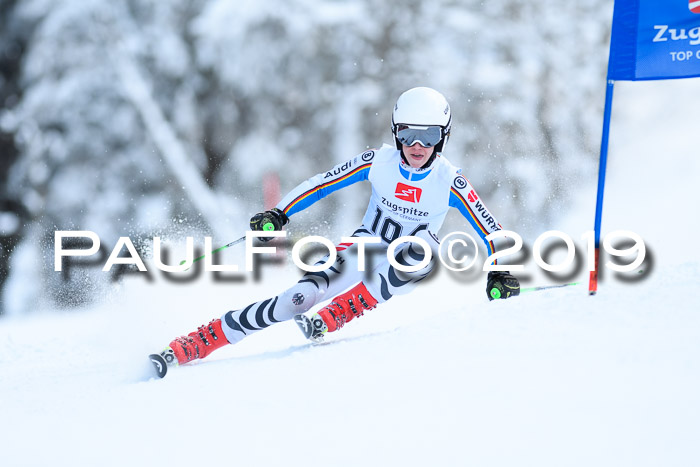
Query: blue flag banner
point(655, 39)
point(651, 39)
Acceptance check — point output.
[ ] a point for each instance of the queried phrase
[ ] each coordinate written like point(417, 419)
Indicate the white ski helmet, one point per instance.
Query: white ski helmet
point(416, 115)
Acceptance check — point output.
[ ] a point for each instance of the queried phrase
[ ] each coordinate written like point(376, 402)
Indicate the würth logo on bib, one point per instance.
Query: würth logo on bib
point(694, 6)
point(408, 193)
point(472, 196)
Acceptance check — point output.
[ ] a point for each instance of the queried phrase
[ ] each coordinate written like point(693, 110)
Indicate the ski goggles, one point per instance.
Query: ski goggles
point(426, 136)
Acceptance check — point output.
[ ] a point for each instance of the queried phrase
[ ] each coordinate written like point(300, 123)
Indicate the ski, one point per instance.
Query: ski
point(162, 361)
point(159, 364)
point(307, 328)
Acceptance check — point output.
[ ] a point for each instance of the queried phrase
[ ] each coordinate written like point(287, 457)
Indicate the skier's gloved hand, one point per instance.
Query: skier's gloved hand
point(501, 284)
point(271, 220)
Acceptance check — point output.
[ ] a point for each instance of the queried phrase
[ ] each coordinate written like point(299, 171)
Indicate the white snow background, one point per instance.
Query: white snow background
point(439, 377)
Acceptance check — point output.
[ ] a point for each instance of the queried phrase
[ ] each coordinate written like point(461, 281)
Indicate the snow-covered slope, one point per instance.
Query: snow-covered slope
point(553, 378)
point(441, 377)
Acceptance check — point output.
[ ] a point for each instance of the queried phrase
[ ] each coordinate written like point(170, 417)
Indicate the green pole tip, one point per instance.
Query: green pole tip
point(269, 226)
point(495, 293)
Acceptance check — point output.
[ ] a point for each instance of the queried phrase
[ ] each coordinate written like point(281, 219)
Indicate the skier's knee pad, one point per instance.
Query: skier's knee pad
point(298, 299)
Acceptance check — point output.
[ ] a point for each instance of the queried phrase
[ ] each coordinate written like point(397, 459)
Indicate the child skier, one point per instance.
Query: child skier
point(413, 186)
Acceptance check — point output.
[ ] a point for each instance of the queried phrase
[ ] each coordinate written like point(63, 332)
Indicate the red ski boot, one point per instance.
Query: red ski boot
point(198, 344)
point(346, 306)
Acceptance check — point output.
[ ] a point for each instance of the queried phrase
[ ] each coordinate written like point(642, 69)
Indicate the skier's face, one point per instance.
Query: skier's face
point(417, 155)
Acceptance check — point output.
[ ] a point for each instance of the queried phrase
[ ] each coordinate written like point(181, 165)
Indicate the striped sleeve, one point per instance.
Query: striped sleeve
point(464, 198)
point(321, 185)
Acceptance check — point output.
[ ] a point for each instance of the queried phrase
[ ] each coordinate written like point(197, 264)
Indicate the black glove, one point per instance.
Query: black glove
point(501, 284)
point(270, 220)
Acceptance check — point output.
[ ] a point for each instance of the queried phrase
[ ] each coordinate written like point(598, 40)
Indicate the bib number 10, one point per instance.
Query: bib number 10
point(637, 248)
point(389, 229)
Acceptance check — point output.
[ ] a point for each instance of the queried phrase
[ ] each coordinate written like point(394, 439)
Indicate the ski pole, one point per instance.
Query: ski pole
point(235, 242)
point(267, 227)
point(545, 287)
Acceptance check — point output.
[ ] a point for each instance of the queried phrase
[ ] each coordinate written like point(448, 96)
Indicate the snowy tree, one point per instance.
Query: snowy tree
point(88, 161)
point(12, 213)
